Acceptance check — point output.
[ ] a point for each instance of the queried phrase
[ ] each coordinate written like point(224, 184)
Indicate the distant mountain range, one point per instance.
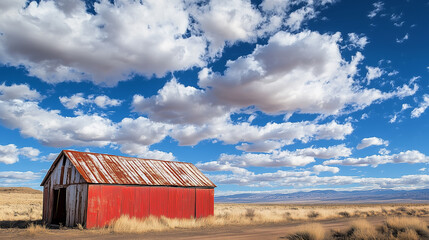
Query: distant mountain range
point(331, 196)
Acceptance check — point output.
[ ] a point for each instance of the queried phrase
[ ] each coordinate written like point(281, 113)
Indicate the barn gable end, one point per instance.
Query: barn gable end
point(64, 194)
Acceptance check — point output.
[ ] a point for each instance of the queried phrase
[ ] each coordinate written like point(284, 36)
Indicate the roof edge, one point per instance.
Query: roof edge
point(52, 167)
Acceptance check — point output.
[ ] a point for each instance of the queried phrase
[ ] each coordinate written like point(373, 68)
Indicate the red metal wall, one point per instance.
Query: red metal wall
point(204, 202)
point(109, 202)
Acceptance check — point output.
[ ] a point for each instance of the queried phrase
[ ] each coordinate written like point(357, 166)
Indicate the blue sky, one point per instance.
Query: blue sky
point(266, 96)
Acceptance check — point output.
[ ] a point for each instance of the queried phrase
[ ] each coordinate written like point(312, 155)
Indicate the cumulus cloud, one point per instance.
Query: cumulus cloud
point(49, 158)
point(422, 107)
point(410, 156)
point(10, 153)
point(15, 91)
point(77, 99)
point(373, 73)
point(321, 168)
point(179, 104)
point(366, 142)
point(299, 179)
point(357, 41)
point(227, 21)
point(61, 41)
point(286, 132)
point(277, 158)
point(267, 78)
point(53, 129)
point(326, 153)
point(144, 152)
point(13, 177)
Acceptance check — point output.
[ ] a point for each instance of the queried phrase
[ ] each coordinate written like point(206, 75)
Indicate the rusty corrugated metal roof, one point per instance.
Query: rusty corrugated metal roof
point(111, 169)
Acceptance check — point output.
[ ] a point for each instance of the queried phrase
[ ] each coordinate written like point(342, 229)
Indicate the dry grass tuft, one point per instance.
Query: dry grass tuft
point(313, 231)
point(403, 224)
point(409, 234)
point(362, 229)
point(313, 214)
point(33, 229)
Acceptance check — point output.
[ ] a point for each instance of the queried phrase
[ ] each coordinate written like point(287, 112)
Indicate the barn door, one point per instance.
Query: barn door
point(60, 211)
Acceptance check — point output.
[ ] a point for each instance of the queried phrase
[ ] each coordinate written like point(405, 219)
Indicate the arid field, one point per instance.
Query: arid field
point(21, 211)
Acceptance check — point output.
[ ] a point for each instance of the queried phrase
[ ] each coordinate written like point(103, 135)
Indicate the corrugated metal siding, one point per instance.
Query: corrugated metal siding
point(109, 202)
point(103, 168)
point(204, 202)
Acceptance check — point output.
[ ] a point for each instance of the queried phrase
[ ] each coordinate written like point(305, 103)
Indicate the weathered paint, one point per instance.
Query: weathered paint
point(109, 202)
point(110, 169)
point(204, 202)
point(100, 188)
point(65, 176)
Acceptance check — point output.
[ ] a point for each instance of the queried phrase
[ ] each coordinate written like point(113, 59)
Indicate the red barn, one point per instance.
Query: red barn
point(93, 189)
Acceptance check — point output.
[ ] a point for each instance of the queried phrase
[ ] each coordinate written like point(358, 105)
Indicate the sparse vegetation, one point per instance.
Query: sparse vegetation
point(403, 228)
point(313, 231)
point(26, 207)
point(22, 204)
point(33, 229)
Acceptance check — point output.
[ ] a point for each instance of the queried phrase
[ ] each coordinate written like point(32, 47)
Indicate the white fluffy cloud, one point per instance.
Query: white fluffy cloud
point(286, 132)
point(77, 99)
point(422, 107)
point(410, 156)
point(373, 73)
point(60, 41)
point(299, 157)
point(53, 129)
point(299, 179)
point(144, 152)
point(10, 153)
point(357, 41)
point(21, 91)
point(13, 177)
point(279, 77)
point(366, 142)
point(176, 103)
point(321, 168)
point(227, 21)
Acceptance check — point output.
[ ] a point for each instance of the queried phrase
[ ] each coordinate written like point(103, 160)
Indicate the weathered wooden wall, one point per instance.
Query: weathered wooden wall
point(109, 202)
point(65, 175)
point(76, 200)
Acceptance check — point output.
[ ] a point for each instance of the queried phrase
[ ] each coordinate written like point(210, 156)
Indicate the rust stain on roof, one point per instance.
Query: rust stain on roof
point(110, 169)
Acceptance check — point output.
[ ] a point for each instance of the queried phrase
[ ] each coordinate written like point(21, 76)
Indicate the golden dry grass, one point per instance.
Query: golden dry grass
point(16, 205)
point(397, 228)
point(33, 229)
point(312, 231)
point(27, 206)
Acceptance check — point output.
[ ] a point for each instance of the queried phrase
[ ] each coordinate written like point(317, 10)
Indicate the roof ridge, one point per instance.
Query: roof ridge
point(66, 150)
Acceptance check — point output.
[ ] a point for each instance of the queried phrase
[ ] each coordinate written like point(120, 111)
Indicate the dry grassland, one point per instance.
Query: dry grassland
point(27, 206)
point(23, 204)
point(253, 214)
point(394, 228)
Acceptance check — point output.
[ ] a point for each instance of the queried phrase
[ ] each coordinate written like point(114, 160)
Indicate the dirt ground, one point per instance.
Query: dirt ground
point(257, 232)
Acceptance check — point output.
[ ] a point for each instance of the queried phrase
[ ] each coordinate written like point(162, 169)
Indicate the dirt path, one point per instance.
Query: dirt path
point(257, 232)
